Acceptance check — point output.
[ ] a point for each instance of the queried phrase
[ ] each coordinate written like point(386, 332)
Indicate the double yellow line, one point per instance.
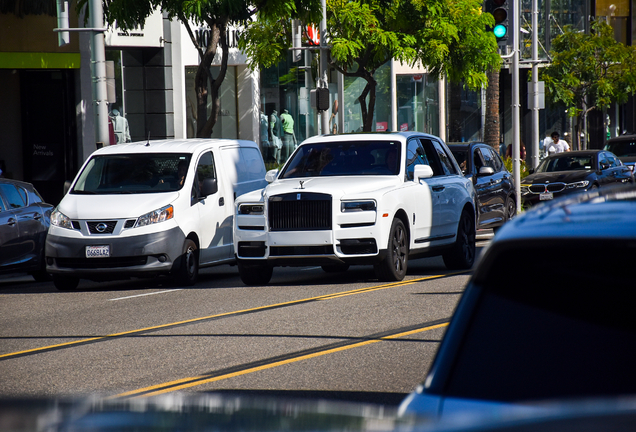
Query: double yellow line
point(204, 379)
point(185, 383)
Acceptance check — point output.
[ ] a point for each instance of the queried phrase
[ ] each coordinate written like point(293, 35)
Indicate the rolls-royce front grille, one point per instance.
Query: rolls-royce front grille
point(300, 212)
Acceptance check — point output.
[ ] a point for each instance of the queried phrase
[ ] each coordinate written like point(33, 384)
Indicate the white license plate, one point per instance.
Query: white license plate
point(97, 251)
point(546, 196)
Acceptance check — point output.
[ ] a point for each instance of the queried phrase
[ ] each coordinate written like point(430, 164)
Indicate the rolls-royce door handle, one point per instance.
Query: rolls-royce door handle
point(438, 188)
point(221, 201)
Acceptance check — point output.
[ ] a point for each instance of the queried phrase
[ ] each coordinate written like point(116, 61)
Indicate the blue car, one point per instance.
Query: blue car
point(547, 314)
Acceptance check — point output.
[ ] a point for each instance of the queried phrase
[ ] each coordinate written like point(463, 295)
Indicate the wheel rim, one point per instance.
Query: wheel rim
point(512, 208)
point(399, 249)
point(468, 239)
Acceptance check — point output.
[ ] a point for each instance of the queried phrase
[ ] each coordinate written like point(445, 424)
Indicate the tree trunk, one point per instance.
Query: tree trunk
point(205, 123)
point(492, 127)
point(367, 111)
point(456, 129)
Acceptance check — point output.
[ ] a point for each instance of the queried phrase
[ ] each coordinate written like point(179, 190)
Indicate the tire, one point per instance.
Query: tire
point(254, 273)
point(65, 283)
point(511, 208)
point(188, 268)
point(393, 267)
point(335, 268)
point(41, 276)
point(462, 255)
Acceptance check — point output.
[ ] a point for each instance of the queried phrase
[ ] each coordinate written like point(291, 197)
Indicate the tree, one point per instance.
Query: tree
point(589, 71)
point(218, 15)
point(447, 37)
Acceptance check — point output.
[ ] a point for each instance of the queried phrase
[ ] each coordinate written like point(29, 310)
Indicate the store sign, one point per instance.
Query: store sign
point(381, 126)
point(150, 36)
point(203, 35)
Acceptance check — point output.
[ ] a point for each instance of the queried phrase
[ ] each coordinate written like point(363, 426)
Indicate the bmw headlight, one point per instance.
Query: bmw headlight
point(579, 184)
point(251, 209)
point(156, 216)
point(356, 206)
point(61, 220)
point(525, 188)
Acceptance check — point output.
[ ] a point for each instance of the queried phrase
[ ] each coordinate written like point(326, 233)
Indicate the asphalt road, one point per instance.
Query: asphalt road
point(306, 334)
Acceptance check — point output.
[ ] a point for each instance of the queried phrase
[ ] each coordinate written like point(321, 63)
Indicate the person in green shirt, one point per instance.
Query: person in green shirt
point(289, 137)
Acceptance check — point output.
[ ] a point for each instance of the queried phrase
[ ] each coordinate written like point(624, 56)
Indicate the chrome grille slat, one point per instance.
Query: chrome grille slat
point(309, 213)
point(538, 188)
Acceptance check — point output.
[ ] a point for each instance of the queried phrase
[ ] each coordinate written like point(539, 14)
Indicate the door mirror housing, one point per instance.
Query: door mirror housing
point(209, 187)
point(422, 172)
point(486, 171)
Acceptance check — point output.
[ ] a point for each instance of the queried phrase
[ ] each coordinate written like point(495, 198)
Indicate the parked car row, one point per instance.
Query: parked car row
point(170, 207)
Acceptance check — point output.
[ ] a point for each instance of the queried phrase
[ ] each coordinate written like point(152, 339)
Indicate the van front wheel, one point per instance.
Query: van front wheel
point(188, 268)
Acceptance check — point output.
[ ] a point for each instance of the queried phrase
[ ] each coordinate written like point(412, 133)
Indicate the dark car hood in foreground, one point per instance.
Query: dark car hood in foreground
point(557, 176)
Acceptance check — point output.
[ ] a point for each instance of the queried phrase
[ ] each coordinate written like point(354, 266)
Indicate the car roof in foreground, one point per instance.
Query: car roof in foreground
point(602, 213)
point(190, 145)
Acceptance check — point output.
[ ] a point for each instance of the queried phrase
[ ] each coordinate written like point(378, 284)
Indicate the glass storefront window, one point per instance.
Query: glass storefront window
point(227, 123)
point(418, 104)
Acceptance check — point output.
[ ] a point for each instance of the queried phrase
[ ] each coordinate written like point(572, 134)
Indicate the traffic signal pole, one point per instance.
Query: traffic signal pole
point(516, 107)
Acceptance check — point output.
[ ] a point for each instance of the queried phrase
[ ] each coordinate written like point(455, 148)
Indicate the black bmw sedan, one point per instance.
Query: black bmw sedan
point(573, 171)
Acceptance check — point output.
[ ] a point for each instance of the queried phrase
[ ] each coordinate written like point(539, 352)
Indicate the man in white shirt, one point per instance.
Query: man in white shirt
point(556, 145)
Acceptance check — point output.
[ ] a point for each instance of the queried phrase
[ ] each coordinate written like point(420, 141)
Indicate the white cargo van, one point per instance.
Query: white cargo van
point(151, 208)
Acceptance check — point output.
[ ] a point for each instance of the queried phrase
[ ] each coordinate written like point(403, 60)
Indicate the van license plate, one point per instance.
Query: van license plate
point(546, 196)
point(98, 251)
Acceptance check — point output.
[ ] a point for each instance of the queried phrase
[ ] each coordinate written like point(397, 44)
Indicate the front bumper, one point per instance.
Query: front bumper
point(143, 255)
point(359, 245)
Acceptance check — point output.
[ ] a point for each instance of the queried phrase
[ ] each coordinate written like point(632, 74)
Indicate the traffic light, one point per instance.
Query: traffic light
point(500, 11)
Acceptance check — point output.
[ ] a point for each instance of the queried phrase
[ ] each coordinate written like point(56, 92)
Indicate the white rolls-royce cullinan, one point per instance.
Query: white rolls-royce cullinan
point(358, 199)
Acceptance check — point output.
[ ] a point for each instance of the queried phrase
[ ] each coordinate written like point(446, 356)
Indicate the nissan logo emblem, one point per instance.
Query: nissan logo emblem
point(101, 227)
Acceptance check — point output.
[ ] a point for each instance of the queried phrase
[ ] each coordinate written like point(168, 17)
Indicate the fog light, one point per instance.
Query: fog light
point(163, 258)
point(50, 260)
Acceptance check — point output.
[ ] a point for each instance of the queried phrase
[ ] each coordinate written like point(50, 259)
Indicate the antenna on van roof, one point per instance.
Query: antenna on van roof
point(148, 142)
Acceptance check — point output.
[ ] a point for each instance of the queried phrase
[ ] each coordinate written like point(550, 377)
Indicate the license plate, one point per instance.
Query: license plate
point(546, 196)
point(97, 251)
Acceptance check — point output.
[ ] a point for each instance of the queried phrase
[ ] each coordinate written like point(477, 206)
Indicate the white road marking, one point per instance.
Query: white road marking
point(141, 295)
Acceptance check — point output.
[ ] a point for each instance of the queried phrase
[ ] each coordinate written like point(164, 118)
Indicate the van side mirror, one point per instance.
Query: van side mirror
point(422, 172)
point(209, 187)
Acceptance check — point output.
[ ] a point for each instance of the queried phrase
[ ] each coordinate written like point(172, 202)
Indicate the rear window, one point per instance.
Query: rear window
point(552, 320)
point(622, 148)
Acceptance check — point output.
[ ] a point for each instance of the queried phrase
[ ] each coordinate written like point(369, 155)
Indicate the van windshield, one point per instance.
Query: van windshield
point(133, 173)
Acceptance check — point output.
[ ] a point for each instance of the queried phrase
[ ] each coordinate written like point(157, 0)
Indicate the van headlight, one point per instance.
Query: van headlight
point(156, 216)
point(356, 206)
point(251, 209)
point(59, 219)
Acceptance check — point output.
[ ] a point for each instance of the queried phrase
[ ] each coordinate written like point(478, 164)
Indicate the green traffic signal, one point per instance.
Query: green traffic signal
point(500, 30)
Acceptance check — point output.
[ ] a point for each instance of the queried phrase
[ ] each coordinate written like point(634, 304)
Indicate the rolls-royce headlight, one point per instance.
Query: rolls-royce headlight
point(250, 209)
point(356, 206)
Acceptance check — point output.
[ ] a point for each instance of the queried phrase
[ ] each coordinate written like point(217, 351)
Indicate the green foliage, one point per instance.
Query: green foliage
point(523, 168)
point(448, 37)
point(592, 69)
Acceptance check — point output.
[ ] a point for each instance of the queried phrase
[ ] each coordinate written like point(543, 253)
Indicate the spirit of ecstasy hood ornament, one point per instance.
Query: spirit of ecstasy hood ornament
point(301, 183)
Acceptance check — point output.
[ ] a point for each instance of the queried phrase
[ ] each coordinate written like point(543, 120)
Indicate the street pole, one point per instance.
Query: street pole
point(516, 135)
point(535, 85)
point(98, 55)
point(324, 50)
